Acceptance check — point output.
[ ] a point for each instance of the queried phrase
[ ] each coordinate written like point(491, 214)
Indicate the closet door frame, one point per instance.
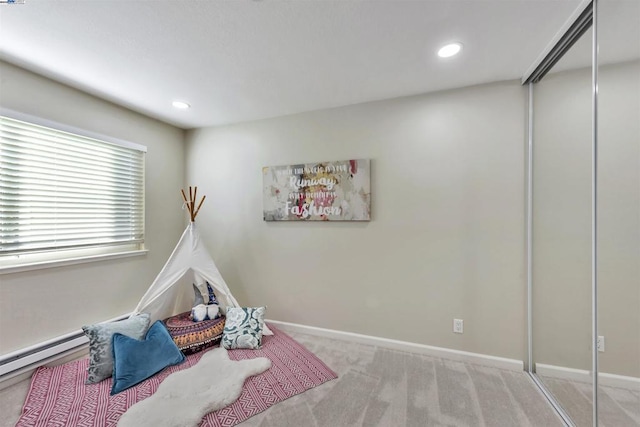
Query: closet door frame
point(585, 17)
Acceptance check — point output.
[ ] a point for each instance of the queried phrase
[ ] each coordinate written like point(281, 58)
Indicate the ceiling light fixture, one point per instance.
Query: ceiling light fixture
point(450, 50)
point(180, 105)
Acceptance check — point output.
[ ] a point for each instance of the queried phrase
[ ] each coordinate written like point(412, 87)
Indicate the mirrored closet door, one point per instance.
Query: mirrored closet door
point(618, 220)
point(562, 303)
point(584, 218)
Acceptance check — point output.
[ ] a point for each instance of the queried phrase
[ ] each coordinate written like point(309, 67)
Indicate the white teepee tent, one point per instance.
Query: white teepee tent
point(188, 255)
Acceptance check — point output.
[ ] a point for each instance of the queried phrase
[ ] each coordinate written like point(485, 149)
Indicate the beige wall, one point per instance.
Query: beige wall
point(562, 219)
point(447, 232)
point(43, 304)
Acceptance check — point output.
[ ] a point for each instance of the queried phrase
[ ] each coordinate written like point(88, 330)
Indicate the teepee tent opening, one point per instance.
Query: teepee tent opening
point(189, 255)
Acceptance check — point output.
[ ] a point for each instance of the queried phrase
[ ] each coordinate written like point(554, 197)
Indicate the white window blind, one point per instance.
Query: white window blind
point(60, 190)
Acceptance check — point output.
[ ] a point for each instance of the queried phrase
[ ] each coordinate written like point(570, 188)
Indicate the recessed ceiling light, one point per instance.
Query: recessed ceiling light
point(450, 50)
point(181, 105)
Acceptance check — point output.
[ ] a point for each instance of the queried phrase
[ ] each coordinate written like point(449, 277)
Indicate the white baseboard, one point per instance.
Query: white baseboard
point(623, 381)
point(20, 364)
point(583, 376)
point(15, 366)
point(26, 372)
point(445, 353)
point(563, 373)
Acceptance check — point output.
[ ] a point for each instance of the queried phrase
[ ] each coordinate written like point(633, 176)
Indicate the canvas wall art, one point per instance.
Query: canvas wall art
point(325, 191)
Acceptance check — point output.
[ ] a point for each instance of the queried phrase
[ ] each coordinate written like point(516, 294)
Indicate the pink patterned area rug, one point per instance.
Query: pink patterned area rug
point(58, 395)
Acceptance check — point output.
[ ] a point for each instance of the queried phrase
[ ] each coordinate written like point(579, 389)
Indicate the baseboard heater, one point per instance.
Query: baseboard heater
point(44, 352)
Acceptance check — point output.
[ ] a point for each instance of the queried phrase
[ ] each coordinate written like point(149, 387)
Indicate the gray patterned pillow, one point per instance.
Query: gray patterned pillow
point(100, 346)
point(243, 327)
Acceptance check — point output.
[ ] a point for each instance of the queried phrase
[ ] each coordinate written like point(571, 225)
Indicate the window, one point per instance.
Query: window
point(65, 195)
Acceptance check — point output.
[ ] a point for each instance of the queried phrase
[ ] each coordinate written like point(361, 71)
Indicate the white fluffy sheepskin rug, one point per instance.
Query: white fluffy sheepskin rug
point(185, 397)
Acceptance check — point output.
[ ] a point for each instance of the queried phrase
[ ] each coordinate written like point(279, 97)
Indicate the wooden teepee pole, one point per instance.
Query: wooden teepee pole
point(190, 203)
point(198, 209)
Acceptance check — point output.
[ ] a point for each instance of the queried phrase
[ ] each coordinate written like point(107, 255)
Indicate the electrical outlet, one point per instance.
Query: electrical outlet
point(458, 326)
point(601, 343)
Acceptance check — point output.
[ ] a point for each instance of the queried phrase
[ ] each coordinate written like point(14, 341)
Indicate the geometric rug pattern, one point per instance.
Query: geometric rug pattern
point(58, 396)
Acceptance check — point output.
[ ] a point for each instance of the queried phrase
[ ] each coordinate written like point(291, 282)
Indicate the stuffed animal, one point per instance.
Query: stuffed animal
point(204, 312)
point(199, 299)
point(212, 296)
point(198, 296)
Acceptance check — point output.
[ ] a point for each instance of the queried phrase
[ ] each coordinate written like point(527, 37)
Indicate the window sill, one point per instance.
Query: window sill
point(39, 265)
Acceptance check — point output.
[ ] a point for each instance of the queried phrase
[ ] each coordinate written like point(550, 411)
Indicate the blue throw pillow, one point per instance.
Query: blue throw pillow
point(136, 360)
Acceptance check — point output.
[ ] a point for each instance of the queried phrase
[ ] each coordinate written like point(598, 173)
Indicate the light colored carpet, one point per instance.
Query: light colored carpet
point(388, 388)
point(11, 400)
point(617, 407)
point(381, 387)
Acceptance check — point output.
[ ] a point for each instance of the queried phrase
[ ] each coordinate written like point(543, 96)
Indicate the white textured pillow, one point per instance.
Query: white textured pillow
point(100, 346)
point(243, 327)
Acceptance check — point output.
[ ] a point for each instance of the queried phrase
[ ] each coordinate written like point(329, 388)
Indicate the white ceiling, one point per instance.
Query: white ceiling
point(243, 60)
